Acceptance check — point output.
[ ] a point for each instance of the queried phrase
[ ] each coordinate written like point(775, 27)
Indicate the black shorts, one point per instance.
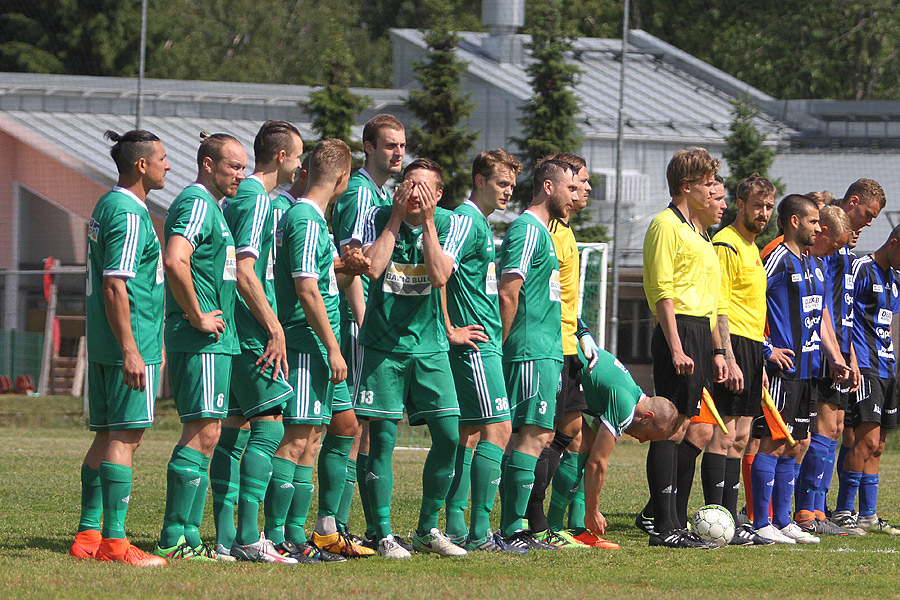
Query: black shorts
point(571, 395)
point(829, 392)
point(875, 402)
point(683, 390)
point(749, 356)
point(793, 399)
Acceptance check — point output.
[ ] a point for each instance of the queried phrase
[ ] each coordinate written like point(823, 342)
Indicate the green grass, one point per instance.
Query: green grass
point(43, 444)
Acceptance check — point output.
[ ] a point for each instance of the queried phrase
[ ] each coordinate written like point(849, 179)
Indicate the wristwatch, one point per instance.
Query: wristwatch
point(718, 351)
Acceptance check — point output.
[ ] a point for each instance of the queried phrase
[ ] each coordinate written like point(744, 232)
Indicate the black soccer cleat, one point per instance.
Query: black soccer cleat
point(681, 538)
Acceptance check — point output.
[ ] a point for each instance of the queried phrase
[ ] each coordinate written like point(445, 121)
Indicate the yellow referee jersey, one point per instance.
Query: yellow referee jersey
point(569, 271)
point(743, 295)
point(679, 264)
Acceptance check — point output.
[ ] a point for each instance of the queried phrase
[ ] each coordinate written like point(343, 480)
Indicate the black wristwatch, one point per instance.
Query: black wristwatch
point(718, 351)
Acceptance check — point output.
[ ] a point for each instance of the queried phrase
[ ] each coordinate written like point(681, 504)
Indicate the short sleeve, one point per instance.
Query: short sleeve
point(518, 250)
point(370, 229)
point(248, 222)
point(187, 219)
point(304, 243)
point(458, 232)
point(729, 264)
point(660, 247)
point(123, 237)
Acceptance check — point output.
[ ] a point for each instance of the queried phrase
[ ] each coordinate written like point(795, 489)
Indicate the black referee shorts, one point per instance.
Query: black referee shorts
point(749, 356)
point(793, 399)
point(683, 390)
point(571, 395)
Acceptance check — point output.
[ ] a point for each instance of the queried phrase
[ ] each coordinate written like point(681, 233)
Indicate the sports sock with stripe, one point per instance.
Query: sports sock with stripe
point(437, 474)
point(849, 485)
point(868, 494)
point(684, 480)
point(519, 477)
point(224, 477)
point(458, 496)
point(812, 472)
point(256, 470)
point(827, 474)
point(299, 509)
point(91, 499)
point(115, 482)
point(546, 467)
point(783, 491)
point(732, 485)
point(562, 490)
point(198, 506)
point(712, 477)
point(762, 474)
point(278, 498)
point(343, 513)
point(661, 470)
point(333, 458)
point(182, 480)
point(485, 477)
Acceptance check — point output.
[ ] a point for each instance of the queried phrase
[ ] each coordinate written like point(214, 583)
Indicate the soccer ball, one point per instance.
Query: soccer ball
point(713, 523)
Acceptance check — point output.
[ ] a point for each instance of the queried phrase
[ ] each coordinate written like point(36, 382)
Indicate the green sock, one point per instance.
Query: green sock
point(182, 479)
point(458, 496)
point(380, 475)
point(437, 474)
point(503, 461)
point(485, 480)
point(115, 483)
point(576, 511)
point(519, 476)
point(195, 516)
point(333, 458)
point(362, 484)
point(564, 485)
point(256, 470)
point(343, 514)
point(299, 509)
point(91, 499)
point(224, 474)
point(278, 498)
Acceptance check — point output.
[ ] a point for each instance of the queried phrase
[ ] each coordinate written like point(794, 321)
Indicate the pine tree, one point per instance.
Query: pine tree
point(439, 108)
point(549, 117)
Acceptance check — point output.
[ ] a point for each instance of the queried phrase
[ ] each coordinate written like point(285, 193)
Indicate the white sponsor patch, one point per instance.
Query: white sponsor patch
point(848, 281)
point(160, 270)
point(877, 288)
point(555, 288)
point(884, 316)
point(230, 272)
point(406, 280)
point(812, 303)
point(270, 267)
point(490, 281)
point(796, 277)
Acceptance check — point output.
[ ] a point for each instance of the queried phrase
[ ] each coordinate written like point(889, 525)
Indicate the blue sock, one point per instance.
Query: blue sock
point(868, 494)
point(762, 474)
point(849, 484)
point(783, 491)
point(812, 469)
point(842, 454)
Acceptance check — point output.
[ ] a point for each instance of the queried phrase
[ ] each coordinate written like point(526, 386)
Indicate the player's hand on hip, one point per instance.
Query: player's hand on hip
point(210, 322)
point(783, 357)
point(469, 336)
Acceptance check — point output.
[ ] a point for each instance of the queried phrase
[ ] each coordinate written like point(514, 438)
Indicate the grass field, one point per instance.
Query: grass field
point(43, 444)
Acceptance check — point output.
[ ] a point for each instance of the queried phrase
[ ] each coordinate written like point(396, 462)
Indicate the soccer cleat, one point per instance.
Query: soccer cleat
point(773, 535)
point(180, 551)
point(874, 523)
point(492, 543)
point(305, 554)
point(742, 518)
point(204, 551)
point(85, 544)
point(437, 542)
point(559, 539)
point(591, 539)
point(456, 539)
point(262, 551)
point(404, 543)
point(645, 524)
point(388, 547)
point(223, 554)
point(681, 538)
point(847, 521)
point(355, 538)
point(791, 530)
point(340, 543)
point(123, 551)
point(822, 527)
point(746, 536)
point(524, 540)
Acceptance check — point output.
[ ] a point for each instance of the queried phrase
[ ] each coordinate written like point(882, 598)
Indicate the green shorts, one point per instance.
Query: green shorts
point(480, 388)
point(388, 382)
point(350, 350)
point(115, 406)
point(253, 392)
point(533, 386)
point(342, 399)
point(310, 402)
point(200, 384)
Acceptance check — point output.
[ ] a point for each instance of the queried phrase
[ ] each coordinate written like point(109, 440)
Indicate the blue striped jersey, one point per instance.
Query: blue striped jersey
point(839, 282)
point(875, 303)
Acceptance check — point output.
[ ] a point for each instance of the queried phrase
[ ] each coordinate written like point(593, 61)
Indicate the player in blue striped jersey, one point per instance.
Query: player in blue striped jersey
point(876, 300)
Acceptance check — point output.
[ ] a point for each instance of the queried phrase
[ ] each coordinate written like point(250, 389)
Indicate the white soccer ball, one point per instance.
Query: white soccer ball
point(713, 523)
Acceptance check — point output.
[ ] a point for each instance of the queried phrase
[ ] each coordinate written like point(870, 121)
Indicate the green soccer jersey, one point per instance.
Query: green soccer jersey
point(610, 393)
point(347, 218)
point(528, 252)
point(250, 217)
point(305, 250)
point(472, 290)
point(122, 243)
point(403, 312)
point(195, 216)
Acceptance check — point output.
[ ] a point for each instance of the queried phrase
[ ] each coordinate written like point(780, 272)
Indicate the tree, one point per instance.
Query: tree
point(440, 107)
point(334, 107)
point(746, 155)
point(549, 116)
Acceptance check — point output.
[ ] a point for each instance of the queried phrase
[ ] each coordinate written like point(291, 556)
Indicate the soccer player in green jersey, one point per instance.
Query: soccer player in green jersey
point(306, 290)
point(259, 386)
point(200, 334)
point(474, 331)
point(124, 301)
point(529, 297)
point(384, 144)
point(404, 363)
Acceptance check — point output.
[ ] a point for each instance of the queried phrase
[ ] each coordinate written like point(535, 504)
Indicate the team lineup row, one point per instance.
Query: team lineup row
point(805, 322)
point(277, 330)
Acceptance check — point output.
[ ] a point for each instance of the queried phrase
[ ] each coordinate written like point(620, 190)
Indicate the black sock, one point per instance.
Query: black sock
point(732, 485)
point(661, 463)
point(558, 446)
point(712, 477)
point(687, 461)
point(534, 512)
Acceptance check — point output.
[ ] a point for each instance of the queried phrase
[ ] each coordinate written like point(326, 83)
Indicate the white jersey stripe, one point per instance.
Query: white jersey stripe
point(195, 223)
point(363, 204)
point(531, 237)
point(308, 264)
point(129, 247)
point(774, 258)
point(261, 211)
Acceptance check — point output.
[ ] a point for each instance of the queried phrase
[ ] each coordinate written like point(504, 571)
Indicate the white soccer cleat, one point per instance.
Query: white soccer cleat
point(389, 548)
point(261, 551)
point(770, 534)
point(793, 531)
point(437, 542)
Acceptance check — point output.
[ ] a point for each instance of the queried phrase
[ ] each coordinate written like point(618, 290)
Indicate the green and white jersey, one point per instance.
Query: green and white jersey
point(472, 290)
point(610, 393)
point(280, 205)
point(305, 250)
point(528, 252)
point(403, 312)
point(122, 243)
point(347, 218)
point(250, 217)
point(196, 216)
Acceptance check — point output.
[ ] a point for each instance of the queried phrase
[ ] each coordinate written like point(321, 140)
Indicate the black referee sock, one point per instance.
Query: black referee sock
point(547, 465)
point(732, 485)
point(661, 463)
point(687, 461)
point(712, 477)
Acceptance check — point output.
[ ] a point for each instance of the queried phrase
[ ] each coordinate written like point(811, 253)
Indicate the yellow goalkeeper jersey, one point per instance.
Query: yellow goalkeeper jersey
point(569, 270)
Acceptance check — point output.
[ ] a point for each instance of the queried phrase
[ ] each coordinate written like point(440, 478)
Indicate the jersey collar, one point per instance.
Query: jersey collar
point(290, 198)
point(680, 216)
point(130, 194)
point(536, 218)
point(475, 206)
point(379, 189)
point(313, 204)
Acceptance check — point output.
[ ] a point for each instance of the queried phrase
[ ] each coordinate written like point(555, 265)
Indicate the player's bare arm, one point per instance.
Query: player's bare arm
point(178, 272)
point(352, 262)
point(251, 290)
point(594, 477)
point(379, 253)
point(734, 379)
point(720, 369)
point(508, 294)
point(314, 308)
point(438, 264)
point(665, 311)
point(839, 369)
point(118, 313)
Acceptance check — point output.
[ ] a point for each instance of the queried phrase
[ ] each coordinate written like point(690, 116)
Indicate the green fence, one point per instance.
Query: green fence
point(20, 354)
